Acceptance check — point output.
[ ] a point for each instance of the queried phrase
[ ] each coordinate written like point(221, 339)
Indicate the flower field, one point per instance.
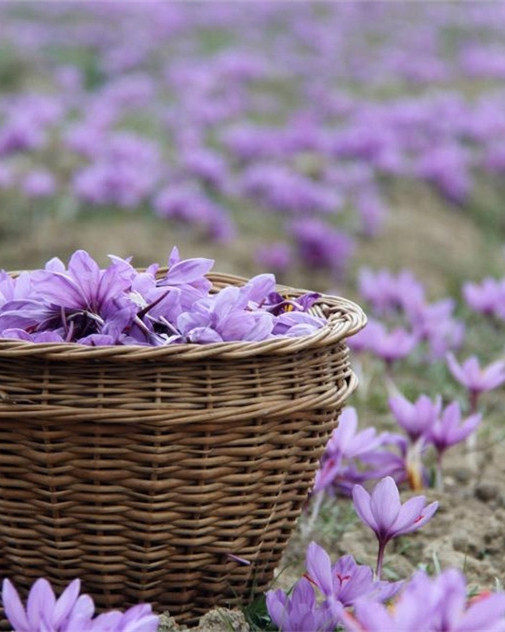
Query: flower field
point(353, 149)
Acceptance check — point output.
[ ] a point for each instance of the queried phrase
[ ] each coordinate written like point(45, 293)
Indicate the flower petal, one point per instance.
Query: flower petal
point(422, 519)
point(14, 610)
point(318, 565)
point(409, 513)
point(361, 499)
point(385, 504)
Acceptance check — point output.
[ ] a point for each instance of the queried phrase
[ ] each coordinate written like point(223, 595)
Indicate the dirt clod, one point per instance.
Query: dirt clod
point(216, 620)
point(486, 491)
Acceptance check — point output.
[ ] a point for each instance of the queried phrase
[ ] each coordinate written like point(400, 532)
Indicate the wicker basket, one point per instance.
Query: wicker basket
point(140, 470)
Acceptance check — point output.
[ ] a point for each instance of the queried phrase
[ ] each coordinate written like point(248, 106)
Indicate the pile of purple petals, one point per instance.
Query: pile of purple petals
point(120, 305)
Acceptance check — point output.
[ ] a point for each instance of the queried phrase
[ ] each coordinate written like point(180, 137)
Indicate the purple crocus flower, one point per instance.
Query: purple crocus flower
point(70, 612)
point(344, 443)
point(448, 430)
point(383, 512)
point(391, 458)
point(226, 317)
point(299, 612)
point(393, 345)
point(438, 604)
point(475, 379)
point(435, 324)
point(415, 418)
point(76, 302)
point(388, 293)
point(322, 246)
point(364, 339)
point(455, 613)
point(487, 297)
point(345, 582)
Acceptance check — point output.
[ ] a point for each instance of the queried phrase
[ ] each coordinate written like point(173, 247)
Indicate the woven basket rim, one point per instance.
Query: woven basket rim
point(344, 318)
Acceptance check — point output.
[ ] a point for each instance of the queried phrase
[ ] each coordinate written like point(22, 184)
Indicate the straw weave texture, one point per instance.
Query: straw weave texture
point(140, 470)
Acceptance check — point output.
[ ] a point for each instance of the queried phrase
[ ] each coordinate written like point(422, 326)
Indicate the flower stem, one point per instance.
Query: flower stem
point(380, 559)
point(316, 506)
point(440, 478)
point(471, 440)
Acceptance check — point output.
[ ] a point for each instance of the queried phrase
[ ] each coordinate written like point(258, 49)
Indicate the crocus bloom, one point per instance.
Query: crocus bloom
point(432, 605)
point(415, 418)
point(477, 380)
point(70, 612)
point(383, 512)
point(344, 582)
point(344, 443)
point(449, 429)
point(299, 612)
point(393, 345)
point(387, 292)
point(364, 339)
point(486, 297)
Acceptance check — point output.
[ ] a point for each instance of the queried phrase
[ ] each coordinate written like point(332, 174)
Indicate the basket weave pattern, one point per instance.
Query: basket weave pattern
point(140, 470)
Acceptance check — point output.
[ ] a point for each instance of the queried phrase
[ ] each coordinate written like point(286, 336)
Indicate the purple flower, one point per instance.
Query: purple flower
point(321, 246)
point(486, 298)
point(208, 166)
point(299, 612)
point(431, 604)
point(391, 458)
point(226, 317)
point(344, 444)
point(411, 613)
point(390, 346)
point(383, 512)
point(185, 203)
point(475, 379)
point(364, 339)
point(70, 612)
point(288, 192)
point(449, 429)
point(388, 293)
point(415, 418)
point(344, 583)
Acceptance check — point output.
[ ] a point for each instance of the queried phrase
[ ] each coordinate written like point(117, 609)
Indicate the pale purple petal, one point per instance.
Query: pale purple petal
point(66, 602)
point(485, 614)
point(385, 504)
point(409, 513)
point(40, 599)
point(421, 520)
point(187, 271)
point(13, 607)
point(318, 565)
point(362, 500)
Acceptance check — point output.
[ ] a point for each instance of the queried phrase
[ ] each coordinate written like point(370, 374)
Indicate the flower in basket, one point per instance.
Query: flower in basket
point(120, 305)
